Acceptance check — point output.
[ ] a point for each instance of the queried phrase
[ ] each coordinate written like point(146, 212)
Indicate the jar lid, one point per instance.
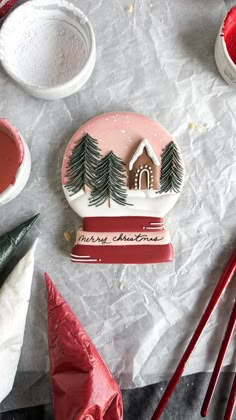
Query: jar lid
point(54, 52)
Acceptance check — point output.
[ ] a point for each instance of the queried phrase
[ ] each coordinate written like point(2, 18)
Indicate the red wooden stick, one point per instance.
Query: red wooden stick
point(231, 402)
point(220, 287)
point(219, 362)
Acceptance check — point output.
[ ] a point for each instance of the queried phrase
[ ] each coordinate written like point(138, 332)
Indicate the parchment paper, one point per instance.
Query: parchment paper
point(157, 61)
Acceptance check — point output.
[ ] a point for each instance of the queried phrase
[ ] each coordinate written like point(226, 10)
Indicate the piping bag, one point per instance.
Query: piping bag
point(10, 240)
point(14, 302)
point(82, 386)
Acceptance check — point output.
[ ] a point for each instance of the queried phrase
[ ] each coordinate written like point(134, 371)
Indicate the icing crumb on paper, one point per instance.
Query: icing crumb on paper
point(198, 127)
point(191, 126)
point(67, 236)
point(130, 8)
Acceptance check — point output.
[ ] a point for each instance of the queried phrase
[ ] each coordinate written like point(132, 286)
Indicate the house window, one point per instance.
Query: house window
point(145, 174)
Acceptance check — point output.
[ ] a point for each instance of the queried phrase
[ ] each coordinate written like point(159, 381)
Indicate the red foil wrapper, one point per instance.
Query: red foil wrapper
point(82, 386)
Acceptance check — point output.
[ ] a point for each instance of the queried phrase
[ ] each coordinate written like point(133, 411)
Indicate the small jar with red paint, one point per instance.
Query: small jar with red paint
point(15, 162)
point(225, 48)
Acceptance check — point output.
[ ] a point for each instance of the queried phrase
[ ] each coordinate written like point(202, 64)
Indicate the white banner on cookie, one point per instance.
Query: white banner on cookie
point(122, 238)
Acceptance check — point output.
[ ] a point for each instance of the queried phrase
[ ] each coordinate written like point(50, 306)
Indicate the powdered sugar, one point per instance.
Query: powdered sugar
point(47, 53)
point(48, 47)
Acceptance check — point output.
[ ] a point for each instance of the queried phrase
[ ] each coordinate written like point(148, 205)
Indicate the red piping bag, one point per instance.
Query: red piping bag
point(82, 386)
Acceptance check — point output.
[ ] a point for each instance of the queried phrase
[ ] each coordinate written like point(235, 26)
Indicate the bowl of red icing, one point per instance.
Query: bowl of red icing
point(15, 162)
point(225, 48)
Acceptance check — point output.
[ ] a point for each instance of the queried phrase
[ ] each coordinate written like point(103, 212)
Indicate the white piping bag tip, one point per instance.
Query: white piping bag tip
point(33, 247)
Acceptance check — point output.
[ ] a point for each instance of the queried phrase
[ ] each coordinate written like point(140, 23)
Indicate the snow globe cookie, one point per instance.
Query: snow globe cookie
point(122, 173)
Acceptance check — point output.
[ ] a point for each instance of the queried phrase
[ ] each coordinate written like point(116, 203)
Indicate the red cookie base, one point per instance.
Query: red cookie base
point(140, 254)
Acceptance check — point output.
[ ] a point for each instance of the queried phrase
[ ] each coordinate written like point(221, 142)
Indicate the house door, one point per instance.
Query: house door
point(143, 178)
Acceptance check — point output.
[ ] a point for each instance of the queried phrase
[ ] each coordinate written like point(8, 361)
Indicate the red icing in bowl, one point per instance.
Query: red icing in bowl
point(229, 33)
point(11, 154)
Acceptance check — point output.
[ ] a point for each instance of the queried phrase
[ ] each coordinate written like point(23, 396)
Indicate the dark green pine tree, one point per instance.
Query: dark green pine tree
point(111, 185)
point(171, 169)
point(82, 164)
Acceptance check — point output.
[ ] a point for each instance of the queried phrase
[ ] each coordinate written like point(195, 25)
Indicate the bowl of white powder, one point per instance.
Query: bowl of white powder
point(48, 47)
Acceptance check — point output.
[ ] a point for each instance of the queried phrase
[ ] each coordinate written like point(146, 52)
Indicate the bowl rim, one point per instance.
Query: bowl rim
point(23, 171)
point(221, 39)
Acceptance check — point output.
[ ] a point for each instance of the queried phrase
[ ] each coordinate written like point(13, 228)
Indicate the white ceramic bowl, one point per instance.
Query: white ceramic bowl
point(23, 172)
point(48, 47)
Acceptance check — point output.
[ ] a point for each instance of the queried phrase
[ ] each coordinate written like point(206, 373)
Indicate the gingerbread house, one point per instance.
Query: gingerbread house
point(144, 168)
